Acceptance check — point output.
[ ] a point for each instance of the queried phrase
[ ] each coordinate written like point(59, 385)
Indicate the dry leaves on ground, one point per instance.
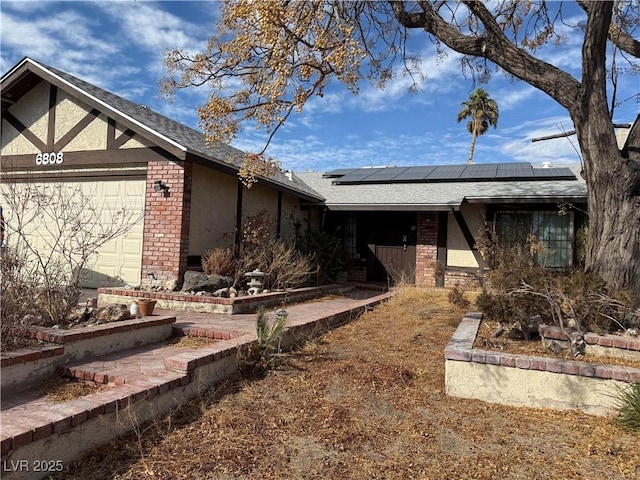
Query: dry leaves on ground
point(367, 401)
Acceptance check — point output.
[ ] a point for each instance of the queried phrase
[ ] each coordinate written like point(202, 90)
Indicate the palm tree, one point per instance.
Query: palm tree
point(483, 112)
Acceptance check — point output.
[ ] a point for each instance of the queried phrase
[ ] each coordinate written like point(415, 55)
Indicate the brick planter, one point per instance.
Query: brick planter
point(532, 381)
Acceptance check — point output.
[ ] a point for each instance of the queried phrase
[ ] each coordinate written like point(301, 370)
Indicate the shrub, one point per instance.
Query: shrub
point(283, 265)
point(456, 297)
point(265, 354)
point(629, 404)
point(219, 261)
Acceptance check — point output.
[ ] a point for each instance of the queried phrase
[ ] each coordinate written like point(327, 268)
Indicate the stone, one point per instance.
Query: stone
point(111, 313)
point(198, 281)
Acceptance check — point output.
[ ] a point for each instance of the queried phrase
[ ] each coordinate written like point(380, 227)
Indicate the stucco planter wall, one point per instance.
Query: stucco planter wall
point(532, 381)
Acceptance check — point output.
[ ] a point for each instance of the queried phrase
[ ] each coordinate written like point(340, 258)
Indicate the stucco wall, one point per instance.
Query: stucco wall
point(458, 252)
point(33, 111)
point(213, 212)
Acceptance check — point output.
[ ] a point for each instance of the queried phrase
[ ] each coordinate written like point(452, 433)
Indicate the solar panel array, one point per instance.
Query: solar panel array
point(479, 172)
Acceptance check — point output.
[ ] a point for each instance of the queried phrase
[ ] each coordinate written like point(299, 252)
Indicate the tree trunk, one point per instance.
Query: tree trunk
point(613, 249)
point(473, 147)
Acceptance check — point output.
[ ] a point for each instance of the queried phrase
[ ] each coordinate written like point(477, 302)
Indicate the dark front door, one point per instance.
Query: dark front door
point(391, 246)
point(398, 262)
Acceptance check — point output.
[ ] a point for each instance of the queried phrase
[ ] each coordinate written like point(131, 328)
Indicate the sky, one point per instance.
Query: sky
point(119, 46)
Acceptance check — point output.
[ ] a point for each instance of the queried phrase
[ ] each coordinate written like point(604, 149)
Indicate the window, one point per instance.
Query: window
point(553, 230)
point(350, 231)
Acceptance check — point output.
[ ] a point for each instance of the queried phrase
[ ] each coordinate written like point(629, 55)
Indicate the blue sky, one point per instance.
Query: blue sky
point(119, 46)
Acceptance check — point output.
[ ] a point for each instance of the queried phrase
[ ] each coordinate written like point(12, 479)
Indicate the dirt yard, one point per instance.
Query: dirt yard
point(366, 401)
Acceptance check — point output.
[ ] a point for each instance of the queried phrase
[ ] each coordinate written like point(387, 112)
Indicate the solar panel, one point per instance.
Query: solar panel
point(357, 176)
point(556, 173)
point(339, 172)
point(414, 174)
point(385, 175)
point(446, 172)
point(514, 170)
point(479, 171)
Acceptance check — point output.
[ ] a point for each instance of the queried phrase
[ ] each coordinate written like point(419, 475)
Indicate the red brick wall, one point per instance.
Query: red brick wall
point(166, 224)
point(426, 249)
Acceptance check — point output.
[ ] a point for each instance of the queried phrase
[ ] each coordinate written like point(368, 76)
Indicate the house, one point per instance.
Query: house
point(421, 224)
point(418, 224)
point(58, 128)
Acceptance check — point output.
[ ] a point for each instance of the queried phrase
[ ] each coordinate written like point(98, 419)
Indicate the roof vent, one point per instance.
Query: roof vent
point(143, 105)
point(289, 175)
point(546, 164)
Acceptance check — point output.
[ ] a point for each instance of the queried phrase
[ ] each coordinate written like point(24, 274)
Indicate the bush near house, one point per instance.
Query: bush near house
point(517, 289)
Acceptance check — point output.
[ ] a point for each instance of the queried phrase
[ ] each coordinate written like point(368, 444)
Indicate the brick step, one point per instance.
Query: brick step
point(144, 362)
point(200, 332)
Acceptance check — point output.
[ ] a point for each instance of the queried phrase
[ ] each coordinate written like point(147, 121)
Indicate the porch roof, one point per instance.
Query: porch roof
point(443, 196)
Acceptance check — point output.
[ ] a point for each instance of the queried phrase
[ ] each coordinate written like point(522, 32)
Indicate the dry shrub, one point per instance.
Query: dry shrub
point(456, 297)
point(283, 265)
point(18, 294)
point(219, 261)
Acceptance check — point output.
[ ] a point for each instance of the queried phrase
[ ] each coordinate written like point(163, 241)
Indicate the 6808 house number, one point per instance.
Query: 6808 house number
point(52, 158)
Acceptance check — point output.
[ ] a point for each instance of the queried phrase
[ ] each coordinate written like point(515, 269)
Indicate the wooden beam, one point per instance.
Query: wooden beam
point(468, 236)
point(25, 132)
point(51, 124)
point(75, 130)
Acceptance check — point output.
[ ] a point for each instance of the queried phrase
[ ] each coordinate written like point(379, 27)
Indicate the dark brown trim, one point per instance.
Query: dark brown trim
point(91, 158)
point(111, 133)
point(279, 215)
point(123, 138)
point(441, 255)
point(238, 236)
point(468, 236)
point(51, 124)
point(62, 175)
point(95, 104)
point(75, 130)
point(25, 132)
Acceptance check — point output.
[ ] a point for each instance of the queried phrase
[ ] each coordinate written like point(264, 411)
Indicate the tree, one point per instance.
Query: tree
point(268, 58)
point(483, 112)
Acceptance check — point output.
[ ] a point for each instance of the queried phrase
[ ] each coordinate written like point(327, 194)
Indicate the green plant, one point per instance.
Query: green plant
point(266, 353)
point(629, 404)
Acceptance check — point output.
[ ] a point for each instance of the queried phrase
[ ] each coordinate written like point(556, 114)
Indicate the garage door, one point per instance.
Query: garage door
point(106, 203)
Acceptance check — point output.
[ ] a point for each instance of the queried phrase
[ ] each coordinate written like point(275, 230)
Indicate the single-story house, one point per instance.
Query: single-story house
point(421, 224)
point(58, 128)
point(418, 224)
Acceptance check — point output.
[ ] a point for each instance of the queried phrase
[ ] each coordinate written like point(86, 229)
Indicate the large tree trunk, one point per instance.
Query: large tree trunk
point(613, 184)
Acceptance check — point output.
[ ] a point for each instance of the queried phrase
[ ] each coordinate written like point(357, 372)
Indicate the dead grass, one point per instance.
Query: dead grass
point(190, 342)
point(62, 389)
point(366, 401)
point(485, 341)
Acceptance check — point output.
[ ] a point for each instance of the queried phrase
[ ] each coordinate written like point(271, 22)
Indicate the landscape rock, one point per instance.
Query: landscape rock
point(199, 281)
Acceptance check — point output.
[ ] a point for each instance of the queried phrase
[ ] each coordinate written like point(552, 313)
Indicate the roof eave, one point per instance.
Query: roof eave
point(175, 148)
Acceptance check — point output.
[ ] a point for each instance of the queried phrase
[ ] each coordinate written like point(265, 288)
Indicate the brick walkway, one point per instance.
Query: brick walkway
point(150, 370)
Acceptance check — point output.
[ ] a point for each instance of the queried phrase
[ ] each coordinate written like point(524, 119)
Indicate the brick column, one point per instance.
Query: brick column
point(166, 224)
point(426, 249)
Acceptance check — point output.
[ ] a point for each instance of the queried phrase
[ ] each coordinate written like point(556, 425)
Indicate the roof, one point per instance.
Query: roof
point(444, 195)
point(177, 138)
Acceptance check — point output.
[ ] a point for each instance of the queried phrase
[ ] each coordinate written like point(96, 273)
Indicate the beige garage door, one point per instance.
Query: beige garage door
point(106, 202)
point(120, 260)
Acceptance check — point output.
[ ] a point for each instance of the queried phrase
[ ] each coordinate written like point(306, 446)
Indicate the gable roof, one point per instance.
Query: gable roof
point(444, 195)
point(183, 142)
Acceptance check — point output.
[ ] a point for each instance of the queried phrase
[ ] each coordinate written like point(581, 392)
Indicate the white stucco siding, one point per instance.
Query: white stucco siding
point(213, 210)
point(458, 252)
point(32, 111)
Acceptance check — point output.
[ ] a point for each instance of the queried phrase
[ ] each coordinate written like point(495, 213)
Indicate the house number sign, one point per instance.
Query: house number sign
point(52, 158)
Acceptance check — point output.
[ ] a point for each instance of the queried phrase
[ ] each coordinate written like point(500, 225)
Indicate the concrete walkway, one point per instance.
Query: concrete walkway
point(148, 380)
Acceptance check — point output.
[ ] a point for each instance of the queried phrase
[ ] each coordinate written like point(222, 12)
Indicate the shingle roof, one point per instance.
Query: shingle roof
point(183, 138)
point(442, 196)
